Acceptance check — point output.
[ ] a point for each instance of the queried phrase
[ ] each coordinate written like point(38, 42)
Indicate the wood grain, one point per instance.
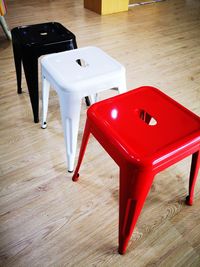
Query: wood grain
point(45, 218)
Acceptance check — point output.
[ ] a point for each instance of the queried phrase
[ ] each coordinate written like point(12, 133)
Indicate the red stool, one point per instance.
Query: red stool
point(144, 131)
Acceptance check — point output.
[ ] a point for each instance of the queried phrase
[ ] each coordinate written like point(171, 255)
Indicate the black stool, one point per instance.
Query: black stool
point(29, 43)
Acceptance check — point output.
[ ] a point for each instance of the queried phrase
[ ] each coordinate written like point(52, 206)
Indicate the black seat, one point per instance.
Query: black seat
point(32, 41)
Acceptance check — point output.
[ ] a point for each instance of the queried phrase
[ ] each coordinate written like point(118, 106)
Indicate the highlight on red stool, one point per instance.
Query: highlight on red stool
point(144, 131)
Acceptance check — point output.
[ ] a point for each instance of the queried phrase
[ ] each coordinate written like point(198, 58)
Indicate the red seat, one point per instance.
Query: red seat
point(144, 131)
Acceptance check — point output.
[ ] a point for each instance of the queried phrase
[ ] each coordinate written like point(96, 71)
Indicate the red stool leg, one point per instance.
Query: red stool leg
point(85, 139)
point(134, 187)
point(193, 176)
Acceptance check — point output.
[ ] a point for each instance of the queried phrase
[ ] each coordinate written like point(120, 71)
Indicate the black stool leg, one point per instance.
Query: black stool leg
point(193, 176)
point(18, 64)
point(87, 101)
point(31, 73)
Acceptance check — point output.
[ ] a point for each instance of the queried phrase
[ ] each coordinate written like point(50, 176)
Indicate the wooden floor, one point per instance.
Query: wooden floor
point(45, 218)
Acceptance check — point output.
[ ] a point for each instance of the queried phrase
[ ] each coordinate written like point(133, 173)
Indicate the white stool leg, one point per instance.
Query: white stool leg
point(122, 85)
point(70, 107)
point(94, 98)
point(45, 101)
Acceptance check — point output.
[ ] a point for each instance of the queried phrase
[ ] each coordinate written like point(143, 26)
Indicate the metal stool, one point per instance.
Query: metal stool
point(75, 74)
point(31, 42)
point(144, 131)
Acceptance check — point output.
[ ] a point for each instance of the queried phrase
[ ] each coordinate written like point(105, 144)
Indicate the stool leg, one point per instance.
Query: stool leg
point(85, 139)
point(45, 101)
point(87, 101)
point(134, 187)
point(5, 28)
point(70, 107)
point(122, 86)
point(94, 98)
point(193, 176)
point(31, 73)
point(18, 64)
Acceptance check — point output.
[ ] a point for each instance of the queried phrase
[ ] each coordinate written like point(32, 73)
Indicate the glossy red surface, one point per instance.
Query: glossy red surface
point(120, 119)
point(144, 131)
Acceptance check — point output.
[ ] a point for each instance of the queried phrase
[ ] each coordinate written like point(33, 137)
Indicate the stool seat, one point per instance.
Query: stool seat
point(43, 34)
point(80, 69)
point(139, 140)
point(144, 131)
point(76, 74)
point(29, 43)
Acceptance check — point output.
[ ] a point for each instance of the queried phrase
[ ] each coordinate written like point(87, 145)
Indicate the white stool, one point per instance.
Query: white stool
point(76, 74)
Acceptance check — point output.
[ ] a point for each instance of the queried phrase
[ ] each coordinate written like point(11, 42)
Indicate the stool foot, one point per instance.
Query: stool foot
point(121, 251)
point(19, 91)
point(75, 177)
point(70, 171)
point(189, 201)
point(123, 244)
point(36, 120)
point(44, 125)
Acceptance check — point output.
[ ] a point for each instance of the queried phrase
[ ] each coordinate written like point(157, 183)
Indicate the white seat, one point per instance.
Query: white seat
point(76, 74)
